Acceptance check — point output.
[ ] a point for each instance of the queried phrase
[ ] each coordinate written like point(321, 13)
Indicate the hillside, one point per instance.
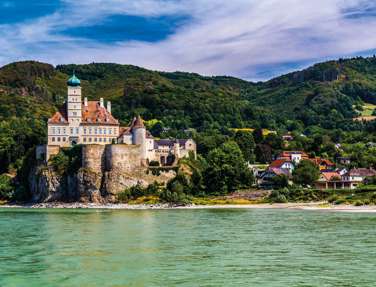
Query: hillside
point(327, 95)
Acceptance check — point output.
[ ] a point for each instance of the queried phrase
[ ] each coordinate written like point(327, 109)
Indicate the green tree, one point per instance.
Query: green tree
point(306, 173)
point(227, 170)
point(247, 145)
point(280, 181)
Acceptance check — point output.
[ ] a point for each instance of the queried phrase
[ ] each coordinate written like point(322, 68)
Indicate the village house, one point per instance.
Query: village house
point(340, 180)
point(92, 123)
point(293, 156)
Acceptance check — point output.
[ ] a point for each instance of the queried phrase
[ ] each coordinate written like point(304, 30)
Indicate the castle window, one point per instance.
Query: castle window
point(58, 131)
point(90, 139)
point(53, 139)
point(85, 131)
point(71, 131)
point(104, 130)
point(64, 131)
point(74, 113)
point(95, 131)
point(53, 131)
point(90, 131)
point(100, 139)
point(100, 131)
point(76, 131)
point(64, 139)
point(95, 139)
point(110, 131)
point(85, 140)
point(58, 139)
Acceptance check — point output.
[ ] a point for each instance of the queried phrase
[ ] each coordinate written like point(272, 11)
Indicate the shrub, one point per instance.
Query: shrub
point(124, 196)
point(277, 197)
point(6, 187)
point(358, 203)
point(175, 196)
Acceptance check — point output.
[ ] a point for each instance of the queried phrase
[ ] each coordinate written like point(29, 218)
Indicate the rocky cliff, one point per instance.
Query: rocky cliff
point(105, 171)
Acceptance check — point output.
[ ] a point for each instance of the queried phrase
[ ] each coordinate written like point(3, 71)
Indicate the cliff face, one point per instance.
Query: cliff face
point(105, 171)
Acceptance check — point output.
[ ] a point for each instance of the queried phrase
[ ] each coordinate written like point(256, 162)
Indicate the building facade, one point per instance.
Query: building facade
point(92, 123)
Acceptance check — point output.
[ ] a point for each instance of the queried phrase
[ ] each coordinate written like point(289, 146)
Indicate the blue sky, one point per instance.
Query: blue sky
point(251, 39)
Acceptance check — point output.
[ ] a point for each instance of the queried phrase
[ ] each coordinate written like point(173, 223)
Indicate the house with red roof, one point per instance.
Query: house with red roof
point(294, 156)
point(350, 180)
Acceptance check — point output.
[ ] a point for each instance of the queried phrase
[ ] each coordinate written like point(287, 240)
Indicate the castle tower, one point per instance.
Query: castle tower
point(139, 136)
point(74, 111)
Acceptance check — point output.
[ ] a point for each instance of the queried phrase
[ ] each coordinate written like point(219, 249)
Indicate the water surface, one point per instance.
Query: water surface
point(186, 248)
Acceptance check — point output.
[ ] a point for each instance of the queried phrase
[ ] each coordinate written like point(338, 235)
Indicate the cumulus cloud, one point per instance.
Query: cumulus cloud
point(245, 38)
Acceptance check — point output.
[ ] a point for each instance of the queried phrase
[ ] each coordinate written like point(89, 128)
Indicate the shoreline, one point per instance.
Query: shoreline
point(309, 206)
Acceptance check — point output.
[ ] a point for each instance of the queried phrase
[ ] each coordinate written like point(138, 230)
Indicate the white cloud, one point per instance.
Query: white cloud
point(223, 37)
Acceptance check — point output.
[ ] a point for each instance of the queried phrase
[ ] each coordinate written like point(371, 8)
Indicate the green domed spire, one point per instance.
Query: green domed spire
point(74, 81)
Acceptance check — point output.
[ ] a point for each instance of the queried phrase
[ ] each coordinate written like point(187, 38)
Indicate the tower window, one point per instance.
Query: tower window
point(53, 139)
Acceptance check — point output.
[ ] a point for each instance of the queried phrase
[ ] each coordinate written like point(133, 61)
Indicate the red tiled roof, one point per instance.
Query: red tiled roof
point(93, 113)
point(330, 175)
point(321, 161)
point(278, 163)
point(287, 154)
point(59, 117)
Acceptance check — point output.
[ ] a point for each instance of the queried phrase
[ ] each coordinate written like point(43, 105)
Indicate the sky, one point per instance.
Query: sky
point(251, 39)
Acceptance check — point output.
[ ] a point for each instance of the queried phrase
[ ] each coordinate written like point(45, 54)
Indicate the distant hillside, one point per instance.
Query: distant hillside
point(325, 94)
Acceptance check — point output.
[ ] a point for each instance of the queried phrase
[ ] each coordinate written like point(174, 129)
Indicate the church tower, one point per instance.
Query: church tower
point(74, 106)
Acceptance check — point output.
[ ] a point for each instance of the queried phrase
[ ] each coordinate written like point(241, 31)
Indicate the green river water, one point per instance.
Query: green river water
point(225, 247)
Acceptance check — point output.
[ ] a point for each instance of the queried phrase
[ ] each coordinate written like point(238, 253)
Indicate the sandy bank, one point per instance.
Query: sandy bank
point(300, 206)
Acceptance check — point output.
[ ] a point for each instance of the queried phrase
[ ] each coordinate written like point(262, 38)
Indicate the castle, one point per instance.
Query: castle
point(91, 123)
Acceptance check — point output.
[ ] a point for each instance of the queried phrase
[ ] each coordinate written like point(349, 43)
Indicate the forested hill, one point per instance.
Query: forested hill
point(325, 96)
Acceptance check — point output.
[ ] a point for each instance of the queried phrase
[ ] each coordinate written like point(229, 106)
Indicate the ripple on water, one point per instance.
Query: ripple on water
point(186, 248)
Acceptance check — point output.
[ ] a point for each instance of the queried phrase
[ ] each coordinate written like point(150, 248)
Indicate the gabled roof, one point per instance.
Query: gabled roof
point(280, 171)
point(93, 113)
point(59, 117)
point(330, 175)
point(321, 161)
point(279, 162)
point(364, 172)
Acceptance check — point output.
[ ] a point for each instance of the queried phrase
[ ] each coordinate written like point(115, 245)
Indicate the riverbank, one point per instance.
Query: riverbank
point(299, 206)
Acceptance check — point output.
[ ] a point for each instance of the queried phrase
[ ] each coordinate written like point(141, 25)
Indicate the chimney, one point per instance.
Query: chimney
point(85, 101)
point(109, 107)
point(101, 103)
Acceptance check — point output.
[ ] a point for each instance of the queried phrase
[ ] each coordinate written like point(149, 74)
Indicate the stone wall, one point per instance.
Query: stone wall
point(93, 157)
point(122, 157)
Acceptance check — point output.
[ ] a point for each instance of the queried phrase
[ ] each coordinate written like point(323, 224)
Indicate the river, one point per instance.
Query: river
point(226, 247)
